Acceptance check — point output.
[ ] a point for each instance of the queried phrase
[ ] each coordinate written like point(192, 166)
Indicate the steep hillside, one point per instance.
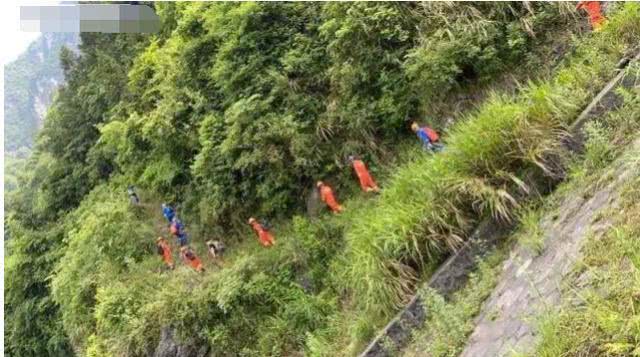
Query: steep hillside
point(561, 283)
point(235, 110)
point(29, 83)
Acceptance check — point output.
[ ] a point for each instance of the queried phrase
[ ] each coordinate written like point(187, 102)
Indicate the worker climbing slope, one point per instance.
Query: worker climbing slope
point(594, 11)
point(216, 249)
point(133, 196)
point(164, 250)
point(429, 137)
point(177, 229)
point(168, 212)
point(366, 181)
point(265, 237)
point(327, 196)
point(190, 258)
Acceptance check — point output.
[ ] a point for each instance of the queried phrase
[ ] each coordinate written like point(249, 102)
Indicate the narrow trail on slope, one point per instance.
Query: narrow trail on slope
point(529, 285)
point(152, 211)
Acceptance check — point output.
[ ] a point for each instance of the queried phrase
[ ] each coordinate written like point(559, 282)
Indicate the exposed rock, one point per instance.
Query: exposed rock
point(30, 82)
point(530, 286)
point(451, 276)
point(168, 347)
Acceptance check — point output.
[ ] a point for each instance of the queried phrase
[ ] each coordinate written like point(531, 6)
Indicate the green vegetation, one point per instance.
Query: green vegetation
point(234, 110)
point(430, 204)
point(599, 313)
point(250, 130)
point(29, 83)
point(13, 166)
point(449, 323)
point(55, 181)
point(532, 236)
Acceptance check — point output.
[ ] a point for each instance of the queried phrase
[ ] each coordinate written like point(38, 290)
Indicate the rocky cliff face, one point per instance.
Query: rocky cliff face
point(30, 82)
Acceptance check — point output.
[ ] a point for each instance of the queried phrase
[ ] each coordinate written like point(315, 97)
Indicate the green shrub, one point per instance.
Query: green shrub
point(105, 239)
point(431, 203)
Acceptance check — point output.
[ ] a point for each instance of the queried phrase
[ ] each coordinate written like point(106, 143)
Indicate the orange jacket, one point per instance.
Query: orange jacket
point(166, 252)
point(595, 13)
point(366, 181)
point(265, 237)
point(326, 195)
point(195, 262)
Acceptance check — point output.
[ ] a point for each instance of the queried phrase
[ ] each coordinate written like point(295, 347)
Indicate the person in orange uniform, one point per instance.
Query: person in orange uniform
point(595, 13)
point(366, 181)
point(190, 258)
point(327, 196)
point(265, 237)
point(165, 251)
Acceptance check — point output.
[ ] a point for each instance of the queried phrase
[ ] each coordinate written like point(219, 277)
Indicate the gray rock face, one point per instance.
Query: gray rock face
point(531, 285)
point(168, 347)
point(446, 280)
point(30, 81)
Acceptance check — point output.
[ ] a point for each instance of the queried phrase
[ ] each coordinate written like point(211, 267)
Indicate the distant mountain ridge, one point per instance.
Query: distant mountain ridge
point(29, 83)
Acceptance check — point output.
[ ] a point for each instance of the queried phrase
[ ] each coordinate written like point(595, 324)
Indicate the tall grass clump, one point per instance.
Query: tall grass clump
point(531, 235)
point(431, 204)
point(609, 135)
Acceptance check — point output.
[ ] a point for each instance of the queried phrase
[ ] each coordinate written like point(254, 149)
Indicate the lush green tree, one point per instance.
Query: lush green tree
point(56, 178)
point(32, 321)
point(95, 82)
point(105, 240)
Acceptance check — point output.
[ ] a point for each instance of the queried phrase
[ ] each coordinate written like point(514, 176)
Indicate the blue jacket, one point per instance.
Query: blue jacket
point(168, 213)
point(422, 135)
point(182, 239)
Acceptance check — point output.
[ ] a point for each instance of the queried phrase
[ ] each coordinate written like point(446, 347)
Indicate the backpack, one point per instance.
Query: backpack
point(160, 250)
point(189, 255)
point(433, 136)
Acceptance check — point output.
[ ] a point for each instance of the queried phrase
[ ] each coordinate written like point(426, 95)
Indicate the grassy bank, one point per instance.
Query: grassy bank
point(570, 331)
point(601, 318)
point(599, 311)
point(430, 204)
